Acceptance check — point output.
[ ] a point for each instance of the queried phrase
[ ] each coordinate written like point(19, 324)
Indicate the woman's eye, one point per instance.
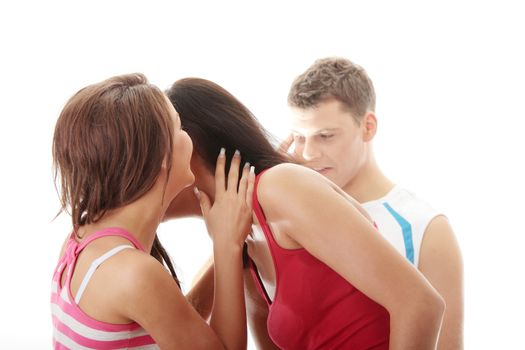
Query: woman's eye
point(326, 136)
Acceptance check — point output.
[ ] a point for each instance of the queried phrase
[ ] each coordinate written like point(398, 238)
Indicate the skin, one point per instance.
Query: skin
point(415, 315)
point(139, 289)
point(329, 140)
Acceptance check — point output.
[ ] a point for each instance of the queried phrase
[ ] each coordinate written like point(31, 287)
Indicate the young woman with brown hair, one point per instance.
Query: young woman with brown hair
point(322, 275)
point(121, 157)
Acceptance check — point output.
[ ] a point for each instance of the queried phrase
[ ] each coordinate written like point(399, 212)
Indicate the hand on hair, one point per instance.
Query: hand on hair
point(229, 218)
point(284, 149)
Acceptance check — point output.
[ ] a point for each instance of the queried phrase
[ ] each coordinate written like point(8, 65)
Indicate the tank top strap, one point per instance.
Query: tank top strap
point(273, 246)
point(110, 231)
point(73, 248)
point(258, 282)
point(94, 265)
point(260, 214)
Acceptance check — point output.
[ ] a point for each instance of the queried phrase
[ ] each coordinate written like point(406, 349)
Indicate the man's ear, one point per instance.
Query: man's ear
point(369, 126)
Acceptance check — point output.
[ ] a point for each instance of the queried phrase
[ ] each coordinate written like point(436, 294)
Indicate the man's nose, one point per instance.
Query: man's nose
point(310, 150)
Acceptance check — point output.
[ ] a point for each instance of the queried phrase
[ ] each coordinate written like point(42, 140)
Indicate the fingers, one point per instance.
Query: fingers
point(204, 201)
point(232, 181)
point(219, 172)
point(249, 191)
point(233, 174)
point(286, 144)
point(243, 183)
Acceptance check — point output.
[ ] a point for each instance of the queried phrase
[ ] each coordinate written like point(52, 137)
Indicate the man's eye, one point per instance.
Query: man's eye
point(326, 136)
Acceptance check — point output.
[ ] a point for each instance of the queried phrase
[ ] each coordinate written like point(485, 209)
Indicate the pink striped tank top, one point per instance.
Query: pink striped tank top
point(74, 329)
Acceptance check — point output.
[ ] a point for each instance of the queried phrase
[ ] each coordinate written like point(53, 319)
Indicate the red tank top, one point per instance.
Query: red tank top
point(314, 307)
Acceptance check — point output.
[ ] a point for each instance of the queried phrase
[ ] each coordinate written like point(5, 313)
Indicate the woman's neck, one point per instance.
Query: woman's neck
point(140, 218)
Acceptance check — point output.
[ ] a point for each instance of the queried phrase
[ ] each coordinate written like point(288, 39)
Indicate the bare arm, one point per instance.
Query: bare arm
point(152, 298)
point(228, 222)
point(441, 263)
point(351, 246)
point(201, 297)
point(201, 293)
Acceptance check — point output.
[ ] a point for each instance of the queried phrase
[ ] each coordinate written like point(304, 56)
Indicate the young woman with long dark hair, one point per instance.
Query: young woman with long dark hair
point(324, 276)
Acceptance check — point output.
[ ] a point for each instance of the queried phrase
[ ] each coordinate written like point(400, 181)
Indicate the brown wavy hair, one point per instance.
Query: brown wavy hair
point(338, 78)
point(110, 141)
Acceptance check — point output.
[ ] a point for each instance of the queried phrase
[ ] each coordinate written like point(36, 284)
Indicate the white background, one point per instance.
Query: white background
point(449, 78)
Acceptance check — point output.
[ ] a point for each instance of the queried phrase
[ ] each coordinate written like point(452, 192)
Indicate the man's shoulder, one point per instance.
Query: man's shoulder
point(403, 199)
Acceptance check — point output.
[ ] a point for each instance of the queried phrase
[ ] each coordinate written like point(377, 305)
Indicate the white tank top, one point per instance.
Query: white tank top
point(402, 218)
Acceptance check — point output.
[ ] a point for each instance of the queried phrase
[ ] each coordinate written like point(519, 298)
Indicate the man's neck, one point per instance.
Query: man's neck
point(369, 183)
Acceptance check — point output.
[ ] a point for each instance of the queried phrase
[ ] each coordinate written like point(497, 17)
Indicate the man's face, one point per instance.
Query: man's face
point(329, 141)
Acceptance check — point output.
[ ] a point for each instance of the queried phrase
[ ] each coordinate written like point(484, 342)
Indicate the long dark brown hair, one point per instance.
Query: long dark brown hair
point(109, 144)
point(214, 118)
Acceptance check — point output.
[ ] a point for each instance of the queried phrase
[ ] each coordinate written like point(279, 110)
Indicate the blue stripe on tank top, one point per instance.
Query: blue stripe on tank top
point(406, 228)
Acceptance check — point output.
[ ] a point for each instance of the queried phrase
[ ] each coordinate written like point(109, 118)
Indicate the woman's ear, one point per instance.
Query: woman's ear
point(198, 166)
point(369, 126)
point(204, 177)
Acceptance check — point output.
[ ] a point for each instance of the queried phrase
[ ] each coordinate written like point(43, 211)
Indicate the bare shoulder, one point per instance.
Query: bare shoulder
point(439, 244)
point(134, 277)
point(139, 269)
point(438, 232)
point(440, 223)
point(148, 294)
point(300, 185)
point(282, 172)
point(287, 179)
point(127, 267)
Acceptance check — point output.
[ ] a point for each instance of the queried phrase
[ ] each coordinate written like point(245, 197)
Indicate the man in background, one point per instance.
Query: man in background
point(333, 128)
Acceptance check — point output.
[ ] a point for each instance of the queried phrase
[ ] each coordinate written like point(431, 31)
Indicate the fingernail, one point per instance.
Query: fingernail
point(252, 170)
point(247, 164)
point(222, 152)
point(196, 191)
point(237, 153)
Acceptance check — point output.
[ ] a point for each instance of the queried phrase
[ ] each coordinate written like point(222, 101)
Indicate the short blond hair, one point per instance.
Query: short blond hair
point(338, 78)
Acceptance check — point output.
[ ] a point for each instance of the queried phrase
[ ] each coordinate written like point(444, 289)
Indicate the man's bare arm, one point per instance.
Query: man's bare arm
point(441, 263)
